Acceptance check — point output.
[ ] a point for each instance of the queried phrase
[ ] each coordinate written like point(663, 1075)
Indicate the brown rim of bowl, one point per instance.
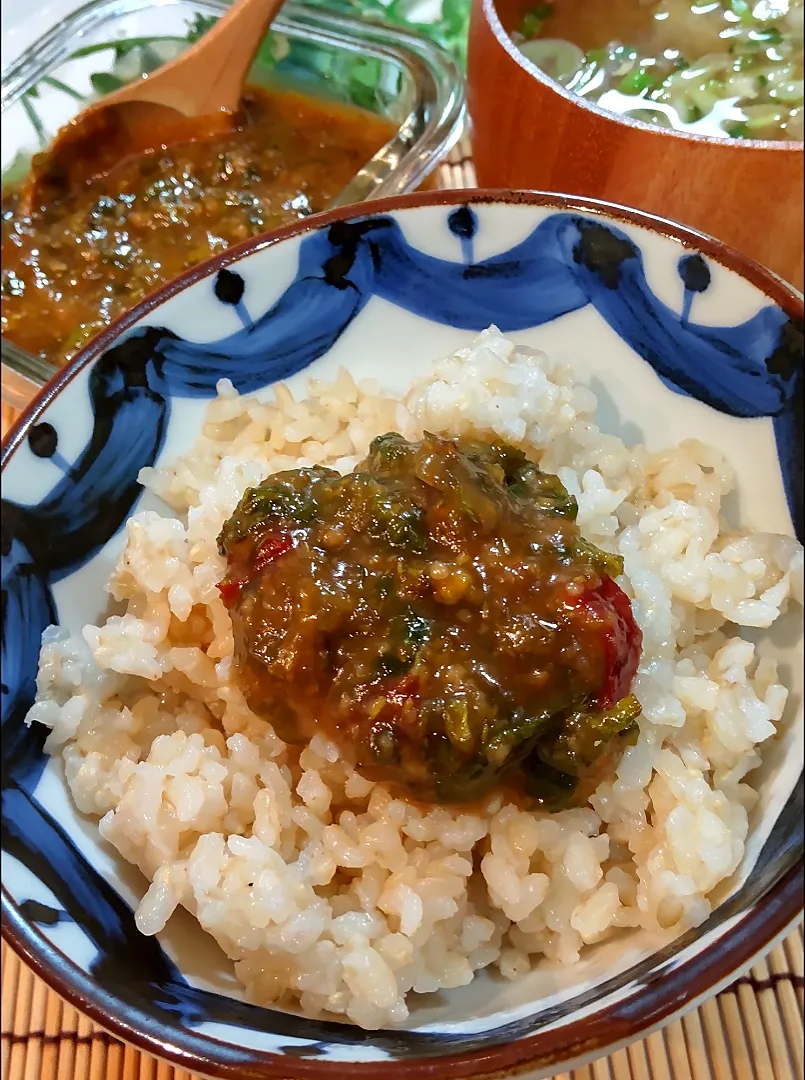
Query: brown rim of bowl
point(492, 20)
point(678, 988)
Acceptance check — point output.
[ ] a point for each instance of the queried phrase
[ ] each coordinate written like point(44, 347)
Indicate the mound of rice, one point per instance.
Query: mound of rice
point(327, 892)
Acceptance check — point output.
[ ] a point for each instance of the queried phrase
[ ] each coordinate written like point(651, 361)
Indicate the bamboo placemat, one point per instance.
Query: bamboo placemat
point(751, 1031)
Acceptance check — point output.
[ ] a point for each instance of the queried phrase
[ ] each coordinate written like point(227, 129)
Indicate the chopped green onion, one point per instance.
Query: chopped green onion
point(637, 82)
point(531, 26)
point(596, 56)
point(772, 36)
point(742, 9)
point(534, 20)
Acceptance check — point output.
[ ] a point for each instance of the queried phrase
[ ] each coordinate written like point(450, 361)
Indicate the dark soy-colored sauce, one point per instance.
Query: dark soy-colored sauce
point(72, 266)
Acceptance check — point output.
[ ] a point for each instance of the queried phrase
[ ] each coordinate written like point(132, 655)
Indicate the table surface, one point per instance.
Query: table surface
point(751, 1031)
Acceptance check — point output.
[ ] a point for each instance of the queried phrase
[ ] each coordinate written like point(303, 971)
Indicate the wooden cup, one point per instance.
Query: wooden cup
point(528, 132)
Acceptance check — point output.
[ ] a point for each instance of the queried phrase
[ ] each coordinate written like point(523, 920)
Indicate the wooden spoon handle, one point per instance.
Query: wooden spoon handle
point(209, 78)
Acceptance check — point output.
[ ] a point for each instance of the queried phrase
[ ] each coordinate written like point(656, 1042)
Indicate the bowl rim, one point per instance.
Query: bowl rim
point(681, 987)
point(492, 20)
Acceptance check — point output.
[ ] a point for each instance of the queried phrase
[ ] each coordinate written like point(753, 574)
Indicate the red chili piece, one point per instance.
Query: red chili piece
point(270, 548)
point(403, 690)
point(397, 695)
point(230, 591)
point(622, 642)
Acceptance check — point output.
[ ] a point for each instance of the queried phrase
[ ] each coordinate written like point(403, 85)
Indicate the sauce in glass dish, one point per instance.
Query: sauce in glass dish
point(72, 266)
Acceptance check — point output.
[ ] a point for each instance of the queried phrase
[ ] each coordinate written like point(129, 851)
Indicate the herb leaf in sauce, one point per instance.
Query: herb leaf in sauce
point(586, 734)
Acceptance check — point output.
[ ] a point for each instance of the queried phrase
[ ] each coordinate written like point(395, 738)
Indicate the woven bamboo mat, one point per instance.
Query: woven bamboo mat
point(751, 1031)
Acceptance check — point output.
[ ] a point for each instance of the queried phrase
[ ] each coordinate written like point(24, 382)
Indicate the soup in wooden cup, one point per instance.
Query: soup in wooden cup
point(530, 131)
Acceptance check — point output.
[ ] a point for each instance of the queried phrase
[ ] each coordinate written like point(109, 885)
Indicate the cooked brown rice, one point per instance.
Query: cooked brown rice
point(328, 893)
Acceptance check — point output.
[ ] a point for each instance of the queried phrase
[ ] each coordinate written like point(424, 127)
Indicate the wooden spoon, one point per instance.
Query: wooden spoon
point(194, 95)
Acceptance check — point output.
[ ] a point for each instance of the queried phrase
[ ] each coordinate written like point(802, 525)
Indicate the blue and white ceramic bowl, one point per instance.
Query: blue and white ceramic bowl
point(684, 338)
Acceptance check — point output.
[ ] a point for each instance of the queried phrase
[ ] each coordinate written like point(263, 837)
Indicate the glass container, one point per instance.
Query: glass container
point(395, 74)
